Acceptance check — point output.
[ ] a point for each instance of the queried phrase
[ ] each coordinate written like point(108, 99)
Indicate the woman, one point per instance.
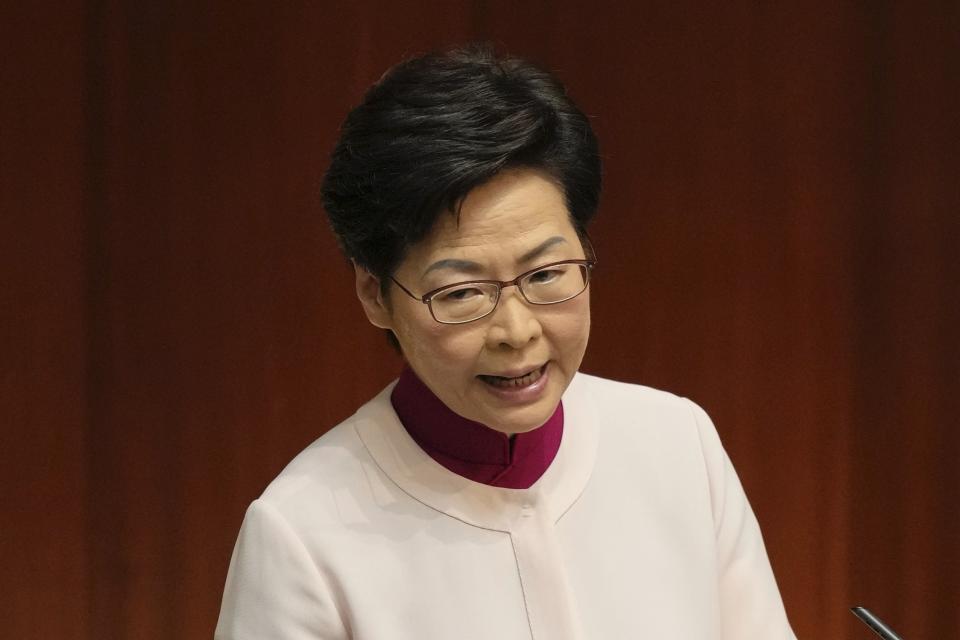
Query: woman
point(493, 491)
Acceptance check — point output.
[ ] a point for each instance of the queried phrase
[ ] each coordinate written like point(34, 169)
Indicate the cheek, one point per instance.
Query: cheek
point(456, 351)
point(439, 351)
point(572, 331)
point(419, 345)
point(414, 334)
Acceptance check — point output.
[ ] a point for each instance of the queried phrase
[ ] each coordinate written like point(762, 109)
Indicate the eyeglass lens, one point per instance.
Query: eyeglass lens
point(472, 300)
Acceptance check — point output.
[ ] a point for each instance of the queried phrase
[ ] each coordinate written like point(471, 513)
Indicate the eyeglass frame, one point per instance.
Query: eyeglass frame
point(426, 298)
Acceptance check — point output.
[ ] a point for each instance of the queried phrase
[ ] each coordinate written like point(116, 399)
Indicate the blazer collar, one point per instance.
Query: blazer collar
point(402, 460)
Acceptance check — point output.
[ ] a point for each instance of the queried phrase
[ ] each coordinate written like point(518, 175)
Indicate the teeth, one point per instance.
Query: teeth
point(507, 383)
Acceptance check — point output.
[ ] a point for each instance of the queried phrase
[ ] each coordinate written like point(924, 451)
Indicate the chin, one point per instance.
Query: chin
point(523, 420)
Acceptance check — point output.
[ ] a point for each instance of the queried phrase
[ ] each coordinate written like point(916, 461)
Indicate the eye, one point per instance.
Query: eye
point(545, 276)
point(463, 293)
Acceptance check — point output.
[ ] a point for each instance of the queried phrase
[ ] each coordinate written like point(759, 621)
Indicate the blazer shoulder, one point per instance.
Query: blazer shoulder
point(617, 393)
point(334, 467)
point(638, 411)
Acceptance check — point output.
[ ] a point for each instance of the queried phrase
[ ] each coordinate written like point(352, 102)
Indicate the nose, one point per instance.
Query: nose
point(513, 323)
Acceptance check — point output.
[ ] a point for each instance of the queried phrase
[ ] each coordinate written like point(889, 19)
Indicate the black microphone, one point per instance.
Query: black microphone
point(875, 623)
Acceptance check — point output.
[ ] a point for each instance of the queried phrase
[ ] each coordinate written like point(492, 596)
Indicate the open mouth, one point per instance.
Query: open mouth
point(519, 382)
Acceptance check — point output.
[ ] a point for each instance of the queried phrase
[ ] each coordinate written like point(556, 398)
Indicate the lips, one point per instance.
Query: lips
point(519, 381)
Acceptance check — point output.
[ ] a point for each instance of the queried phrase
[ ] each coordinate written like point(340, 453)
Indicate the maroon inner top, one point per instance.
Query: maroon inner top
point(469, 448)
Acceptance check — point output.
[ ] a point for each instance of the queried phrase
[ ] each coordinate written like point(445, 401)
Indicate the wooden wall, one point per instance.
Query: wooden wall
point(778, 240)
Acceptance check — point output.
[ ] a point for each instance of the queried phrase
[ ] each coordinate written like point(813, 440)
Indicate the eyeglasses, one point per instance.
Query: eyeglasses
point(468, 301)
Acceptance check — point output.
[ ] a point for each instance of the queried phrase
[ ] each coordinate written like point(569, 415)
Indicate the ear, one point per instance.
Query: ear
point(368, 292)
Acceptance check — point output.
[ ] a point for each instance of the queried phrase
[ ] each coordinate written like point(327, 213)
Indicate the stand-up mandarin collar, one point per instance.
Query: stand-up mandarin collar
point(469, 448)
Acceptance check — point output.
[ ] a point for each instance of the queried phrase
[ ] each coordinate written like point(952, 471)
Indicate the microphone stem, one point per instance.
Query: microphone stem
point(875, 623)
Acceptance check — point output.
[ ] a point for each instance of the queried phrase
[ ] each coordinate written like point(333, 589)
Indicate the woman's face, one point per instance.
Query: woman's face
point(512, 224)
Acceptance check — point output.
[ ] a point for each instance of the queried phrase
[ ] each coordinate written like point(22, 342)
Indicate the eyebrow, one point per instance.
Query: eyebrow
point(542, 248)
point(450, 263)
point(472, 267)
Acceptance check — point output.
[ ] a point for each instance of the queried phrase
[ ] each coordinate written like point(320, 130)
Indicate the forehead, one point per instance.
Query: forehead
point(500, 219)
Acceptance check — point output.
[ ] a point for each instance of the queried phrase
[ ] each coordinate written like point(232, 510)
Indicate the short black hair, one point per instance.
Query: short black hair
point(435, 127)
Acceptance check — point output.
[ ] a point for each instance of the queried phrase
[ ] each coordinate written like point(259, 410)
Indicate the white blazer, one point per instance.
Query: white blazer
point(638, 529)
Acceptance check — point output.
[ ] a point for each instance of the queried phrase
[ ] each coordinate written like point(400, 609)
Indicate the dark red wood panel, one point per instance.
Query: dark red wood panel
point(44, 561)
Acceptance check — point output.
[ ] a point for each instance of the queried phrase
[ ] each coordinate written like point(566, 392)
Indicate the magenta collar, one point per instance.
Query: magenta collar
point(469, 448)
